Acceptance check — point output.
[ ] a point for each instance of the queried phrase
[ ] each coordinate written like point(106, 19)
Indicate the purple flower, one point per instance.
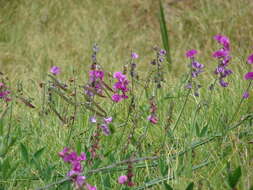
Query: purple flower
point(79, 181)
point(122, 179)
point(5, 93)
point(245, 95)
point(96, 75)
point(250, 59)
point(120, 86)
point(197, 65)
point(82, 157)
point(89, 187)
point(108, 120)
point(223, 83)
point(55, 70)
point(191, 53)
point(152, 119)
point(105, 129)
point(134, 55)
point(223, 40)
point(1, 84)
point(162, 52)
point(116, 98)
point(93, 120)
point(220, 53)
point(249, 76)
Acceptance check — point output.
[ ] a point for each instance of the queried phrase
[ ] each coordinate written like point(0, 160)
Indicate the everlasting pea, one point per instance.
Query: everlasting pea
point(250, 59)
point(55, 70)
point(191, 53)
point(249, 76)
point(134, 55)
point(245, 95)
point(122, 179)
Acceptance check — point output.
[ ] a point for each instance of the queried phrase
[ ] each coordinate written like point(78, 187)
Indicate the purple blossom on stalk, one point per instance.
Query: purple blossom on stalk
point(122, 179)
point(120, 87)
point(245, 95)
point(55, 70)
point(248, 76)
point(89, 187)
point(134, 55)
point(4, 93)
point(105, 129)
point(191, 53)
point(223, 40)
point(223, 56)
point(162, 52)
point(153, 119)
point(108, 120)
point(93, 120)
point(250, 59)
point(76, 167)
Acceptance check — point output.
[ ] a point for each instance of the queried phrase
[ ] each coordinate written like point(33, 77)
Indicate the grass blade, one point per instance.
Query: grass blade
point(164, 34)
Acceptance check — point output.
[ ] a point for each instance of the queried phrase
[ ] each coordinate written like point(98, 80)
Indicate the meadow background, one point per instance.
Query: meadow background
point(35, 35)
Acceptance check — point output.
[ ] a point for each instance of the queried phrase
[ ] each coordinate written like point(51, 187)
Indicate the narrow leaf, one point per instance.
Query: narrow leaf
point(190, 186)
point(24, 153)
point(234, 177)
point(164, 33)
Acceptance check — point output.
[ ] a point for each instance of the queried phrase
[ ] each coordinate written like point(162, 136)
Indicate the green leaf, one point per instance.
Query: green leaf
point(24, 153)
point(78, 147)
point(234, 177)
point(163, 166)
point(167, 186)
point(203, 131)
point(190, 186)
point(39, 152)
point(164, 33)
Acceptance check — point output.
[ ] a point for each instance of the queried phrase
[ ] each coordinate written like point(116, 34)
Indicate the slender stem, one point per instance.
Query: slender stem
point(239, 105)
point(182, 109)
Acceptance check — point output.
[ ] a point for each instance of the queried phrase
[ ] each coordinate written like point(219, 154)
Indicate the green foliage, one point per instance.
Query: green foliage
point(234, 176)
point(164, 34)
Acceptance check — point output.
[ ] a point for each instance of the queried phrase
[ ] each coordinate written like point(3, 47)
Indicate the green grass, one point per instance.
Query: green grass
point(36, 35)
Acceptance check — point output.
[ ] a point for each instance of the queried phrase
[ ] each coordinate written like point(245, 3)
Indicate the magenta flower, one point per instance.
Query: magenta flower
point(1, 84)
point(93, 120)
point(116, 98)
point(245, 95)
point(162, 52)
point(105, 129)
point(96, 75)
point(248, 76)
point(79, 181)
point(121, 87)
point(55, 70)
point(223, 40)
point(220, 53)
point(223, 59)
point(191, 53)
point(108, 120)
point(152, 119)
point(89, 187)
point(134, 55)
point(250, 59)
point(122, 179)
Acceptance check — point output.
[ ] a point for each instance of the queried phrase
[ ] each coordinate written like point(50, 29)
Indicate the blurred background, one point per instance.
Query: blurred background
point(34, 34)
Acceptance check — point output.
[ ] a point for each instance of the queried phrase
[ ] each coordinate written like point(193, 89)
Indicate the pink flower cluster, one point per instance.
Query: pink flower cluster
point(4, 92)
point(120, 87)
point(96, 76)
point(55, 70)
point(223, 55)
point(76, 168)
point(248, 76)
point(152, 117)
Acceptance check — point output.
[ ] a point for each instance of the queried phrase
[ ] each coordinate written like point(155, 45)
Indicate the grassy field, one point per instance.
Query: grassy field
point(205, 139)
